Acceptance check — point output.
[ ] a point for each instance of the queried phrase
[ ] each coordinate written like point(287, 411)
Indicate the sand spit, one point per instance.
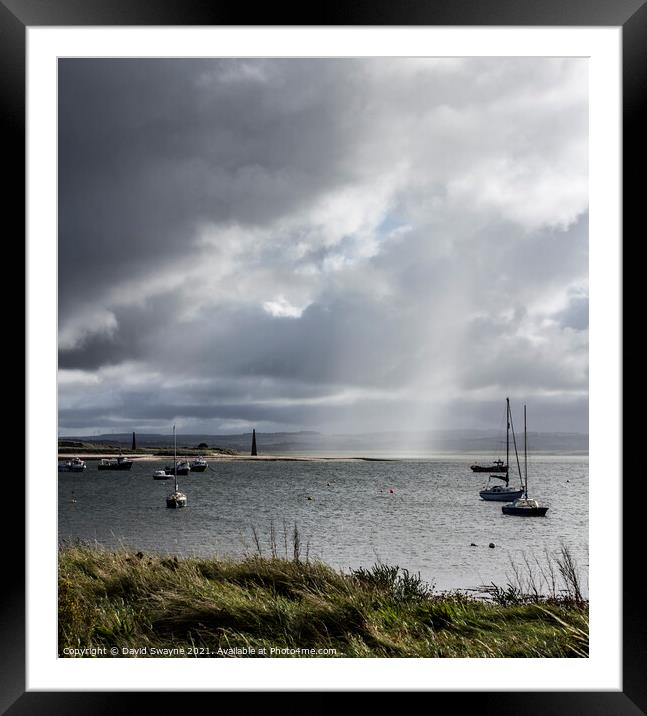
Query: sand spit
point(220, 457)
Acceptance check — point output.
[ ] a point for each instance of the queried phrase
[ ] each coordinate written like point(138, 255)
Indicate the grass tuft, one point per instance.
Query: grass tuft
point(215, 607)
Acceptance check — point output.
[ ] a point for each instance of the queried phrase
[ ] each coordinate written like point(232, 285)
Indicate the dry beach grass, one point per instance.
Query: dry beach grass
point(268, 605)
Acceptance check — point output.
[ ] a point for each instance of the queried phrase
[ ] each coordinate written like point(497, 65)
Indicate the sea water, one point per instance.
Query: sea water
point(422, 515)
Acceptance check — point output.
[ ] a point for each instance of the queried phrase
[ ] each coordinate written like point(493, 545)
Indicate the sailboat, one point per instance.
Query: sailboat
point(525, 506)
point(176, 498)
point(503, 493)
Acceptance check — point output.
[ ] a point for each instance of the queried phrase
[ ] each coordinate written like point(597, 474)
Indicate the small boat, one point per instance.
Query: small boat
point(183, 468)
point(73, 465)
point(176, 499)
point(119, 463)
point(525, 506)
point(198, 465)
point(496, 466)
point(503, 493)
point(161, 475)
point(180, 468)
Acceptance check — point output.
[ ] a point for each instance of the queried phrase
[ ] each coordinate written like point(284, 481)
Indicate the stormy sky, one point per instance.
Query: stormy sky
point(344, 245)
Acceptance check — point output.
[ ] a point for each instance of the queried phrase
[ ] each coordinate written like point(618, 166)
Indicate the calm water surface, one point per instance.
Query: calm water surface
point(426, 524)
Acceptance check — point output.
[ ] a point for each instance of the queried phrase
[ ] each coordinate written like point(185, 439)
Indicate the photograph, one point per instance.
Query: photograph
point(323, 327)
point(323, 357)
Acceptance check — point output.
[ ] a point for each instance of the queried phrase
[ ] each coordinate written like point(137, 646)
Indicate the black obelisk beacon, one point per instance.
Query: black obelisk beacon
point(254, 442)
point(134, 445)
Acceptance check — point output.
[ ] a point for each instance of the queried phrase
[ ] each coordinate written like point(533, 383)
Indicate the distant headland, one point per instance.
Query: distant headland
point(300, 444)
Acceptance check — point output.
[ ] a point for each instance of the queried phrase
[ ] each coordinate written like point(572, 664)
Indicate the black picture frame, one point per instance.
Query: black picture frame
point(17, 15)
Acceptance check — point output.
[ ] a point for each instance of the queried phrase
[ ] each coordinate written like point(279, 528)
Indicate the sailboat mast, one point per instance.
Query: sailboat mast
point(516, 452)
point(525, 448)
point(507, 433)
point(175, 457)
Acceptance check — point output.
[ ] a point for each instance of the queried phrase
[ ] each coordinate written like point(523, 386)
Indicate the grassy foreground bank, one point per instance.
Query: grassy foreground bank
point(149, 605)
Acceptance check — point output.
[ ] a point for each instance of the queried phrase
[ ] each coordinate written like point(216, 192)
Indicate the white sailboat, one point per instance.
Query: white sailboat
point(176, 498)
point(525, 506)
point(503, 493)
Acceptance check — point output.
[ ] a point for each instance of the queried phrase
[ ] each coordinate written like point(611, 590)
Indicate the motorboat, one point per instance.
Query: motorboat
point(179, 468)
point(75, 464)
point(198, 465)
point(118, 463)
point(496, 466)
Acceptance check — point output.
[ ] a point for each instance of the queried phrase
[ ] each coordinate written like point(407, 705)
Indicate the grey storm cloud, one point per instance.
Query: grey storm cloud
point(330, 244)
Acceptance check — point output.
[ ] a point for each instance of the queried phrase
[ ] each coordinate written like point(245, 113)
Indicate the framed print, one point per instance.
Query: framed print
point(325, 283)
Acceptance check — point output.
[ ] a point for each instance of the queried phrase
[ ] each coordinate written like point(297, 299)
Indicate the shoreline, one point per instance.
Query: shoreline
point(92, 457)
point(218, 457)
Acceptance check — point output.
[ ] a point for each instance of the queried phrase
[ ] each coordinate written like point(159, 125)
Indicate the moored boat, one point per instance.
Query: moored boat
point(503, 493)
point(500, 493)
point(73, 465)
point(496, 466)
point(176, 499)
point(119, 463)
point(198, 465)
point(525, 506)
point(179, 468)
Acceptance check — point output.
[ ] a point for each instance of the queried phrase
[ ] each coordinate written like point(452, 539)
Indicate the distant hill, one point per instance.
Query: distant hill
point(477, 442)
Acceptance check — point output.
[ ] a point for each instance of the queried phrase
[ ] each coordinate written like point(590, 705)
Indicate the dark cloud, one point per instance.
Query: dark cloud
point(149, 149)
point(320, 242)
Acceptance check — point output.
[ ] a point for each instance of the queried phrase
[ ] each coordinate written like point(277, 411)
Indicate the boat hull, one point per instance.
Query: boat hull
point(524, 511)
point(176, 502)
point(498, 496)
point(116, 466)
point(74, 465)
point(488, 468)
point(198, 468)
